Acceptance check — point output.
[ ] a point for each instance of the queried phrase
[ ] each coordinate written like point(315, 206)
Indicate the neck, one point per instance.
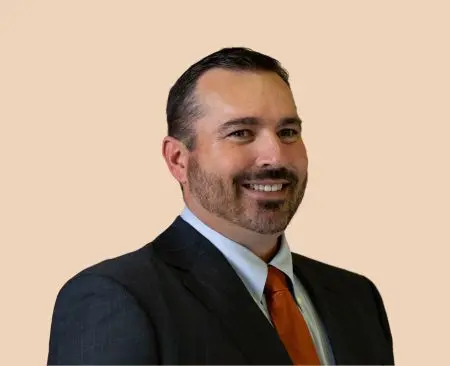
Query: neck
point(263, 246)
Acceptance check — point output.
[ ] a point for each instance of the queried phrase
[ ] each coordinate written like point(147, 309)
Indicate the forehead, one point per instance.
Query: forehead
point(226, 94)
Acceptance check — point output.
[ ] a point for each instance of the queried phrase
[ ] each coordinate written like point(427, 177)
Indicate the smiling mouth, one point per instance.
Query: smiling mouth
point(276, 187)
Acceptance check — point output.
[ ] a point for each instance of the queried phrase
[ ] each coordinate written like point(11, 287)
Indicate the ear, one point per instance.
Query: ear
point(175, 154)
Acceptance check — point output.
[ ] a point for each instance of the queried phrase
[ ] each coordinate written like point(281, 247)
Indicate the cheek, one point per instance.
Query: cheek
point(233, 164)
point(298, 158)
point(227, 161)
point(301, 163)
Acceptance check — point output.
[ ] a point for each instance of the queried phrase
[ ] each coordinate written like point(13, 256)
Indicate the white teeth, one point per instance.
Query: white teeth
point(266, 187)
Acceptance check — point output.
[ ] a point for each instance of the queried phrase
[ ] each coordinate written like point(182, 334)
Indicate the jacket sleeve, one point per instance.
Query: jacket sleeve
point(96, 321)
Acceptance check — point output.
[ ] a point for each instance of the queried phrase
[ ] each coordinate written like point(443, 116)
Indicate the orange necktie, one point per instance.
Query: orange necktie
point(288, 320)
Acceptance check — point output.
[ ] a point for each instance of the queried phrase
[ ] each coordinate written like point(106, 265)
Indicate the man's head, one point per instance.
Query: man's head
point(234, 140)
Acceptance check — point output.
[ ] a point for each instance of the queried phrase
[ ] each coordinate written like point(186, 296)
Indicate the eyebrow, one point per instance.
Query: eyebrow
point(255, 121)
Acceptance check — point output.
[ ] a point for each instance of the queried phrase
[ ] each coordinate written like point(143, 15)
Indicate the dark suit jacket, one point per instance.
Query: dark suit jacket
point(178, 301)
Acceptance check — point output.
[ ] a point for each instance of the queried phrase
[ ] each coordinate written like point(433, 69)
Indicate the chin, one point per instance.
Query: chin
point(267, 224)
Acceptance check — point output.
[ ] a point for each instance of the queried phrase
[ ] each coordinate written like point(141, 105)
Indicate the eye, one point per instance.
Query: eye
point(289, 132)
point(241, 134)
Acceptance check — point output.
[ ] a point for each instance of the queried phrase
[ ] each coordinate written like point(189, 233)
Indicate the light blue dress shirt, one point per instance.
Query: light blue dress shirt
point(253, 272)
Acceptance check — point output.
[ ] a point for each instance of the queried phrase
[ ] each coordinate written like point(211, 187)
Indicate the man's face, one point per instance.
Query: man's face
point(249, 165)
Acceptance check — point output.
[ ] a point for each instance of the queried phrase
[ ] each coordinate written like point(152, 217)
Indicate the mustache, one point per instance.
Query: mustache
point(274, 173)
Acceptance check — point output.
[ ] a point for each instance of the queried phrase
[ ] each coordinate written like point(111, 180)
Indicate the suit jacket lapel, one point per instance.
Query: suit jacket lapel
point(331, 305)
point(210, 277)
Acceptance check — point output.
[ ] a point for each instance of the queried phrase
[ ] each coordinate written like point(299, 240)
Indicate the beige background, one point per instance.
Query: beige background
point(83, 86)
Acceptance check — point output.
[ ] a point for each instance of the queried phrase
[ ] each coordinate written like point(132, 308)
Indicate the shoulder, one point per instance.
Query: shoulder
point(121, 264)
point(97, 320)
point(144, 266)
point(352, 284)
point(125, 268)
point(103, 278)
point(106, 280)
point(349, 284)
point(330, 274)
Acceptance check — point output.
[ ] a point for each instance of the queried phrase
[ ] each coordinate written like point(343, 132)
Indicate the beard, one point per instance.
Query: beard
point(226, 198)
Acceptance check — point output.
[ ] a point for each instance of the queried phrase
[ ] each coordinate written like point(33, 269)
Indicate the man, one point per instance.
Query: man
point(220, 285)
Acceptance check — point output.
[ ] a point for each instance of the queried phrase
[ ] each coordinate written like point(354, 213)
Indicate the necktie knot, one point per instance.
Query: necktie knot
point(276, 281)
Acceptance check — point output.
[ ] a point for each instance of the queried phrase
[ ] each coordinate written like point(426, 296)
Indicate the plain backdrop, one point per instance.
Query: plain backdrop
point(83, 87)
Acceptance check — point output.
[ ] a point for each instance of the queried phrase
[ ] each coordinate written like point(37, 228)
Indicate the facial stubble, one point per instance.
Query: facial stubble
point(225, 198)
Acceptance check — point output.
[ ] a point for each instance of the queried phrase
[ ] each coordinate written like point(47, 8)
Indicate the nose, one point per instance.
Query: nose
point(270, 151)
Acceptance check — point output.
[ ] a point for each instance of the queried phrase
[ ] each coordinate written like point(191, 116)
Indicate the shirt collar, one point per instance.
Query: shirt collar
point(251, 269)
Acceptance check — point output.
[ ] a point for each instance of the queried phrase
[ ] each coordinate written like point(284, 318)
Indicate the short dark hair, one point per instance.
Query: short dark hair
point(182, 108)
